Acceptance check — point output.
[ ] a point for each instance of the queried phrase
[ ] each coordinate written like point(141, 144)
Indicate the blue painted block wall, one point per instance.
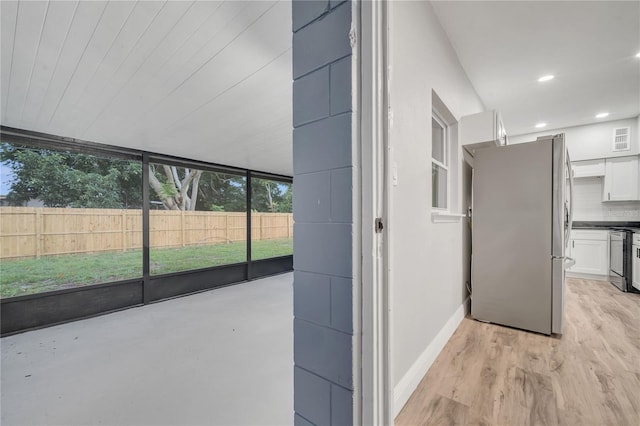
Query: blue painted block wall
point(322, 146)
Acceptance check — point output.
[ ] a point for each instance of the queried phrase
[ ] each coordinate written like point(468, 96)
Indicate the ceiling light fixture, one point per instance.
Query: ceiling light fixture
point(545, 78)
point(541, 125)
point(638, 55)
point(602, 115)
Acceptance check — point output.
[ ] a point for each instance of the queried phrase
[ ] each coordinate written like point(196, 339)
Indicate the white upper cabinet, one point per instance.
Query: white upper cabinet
point(482, 130)
point(588, 168)
point(621, 179)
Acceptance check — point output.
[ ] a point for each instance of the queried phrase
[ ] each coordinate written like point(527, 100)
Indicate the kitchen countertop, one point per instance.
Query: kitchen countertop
point(604, 225)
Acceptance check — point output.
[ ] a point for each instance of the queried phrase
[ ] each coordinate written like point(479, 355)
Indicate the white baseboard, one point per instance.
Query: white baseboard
point(409, 382)
point(587, 276)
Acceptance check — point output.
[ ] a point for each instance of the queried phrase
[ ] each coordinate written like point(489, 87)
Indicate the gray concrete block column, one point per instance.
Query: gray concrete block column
point(322, 206)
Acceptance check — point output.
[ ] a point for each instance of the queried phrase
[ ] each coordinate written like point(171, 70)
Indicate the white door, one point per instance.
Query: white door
point(621, 179)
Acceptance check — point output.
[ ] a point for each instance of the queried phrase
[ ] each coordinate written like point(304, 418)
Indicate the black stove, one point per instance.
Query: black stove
point(621, 257)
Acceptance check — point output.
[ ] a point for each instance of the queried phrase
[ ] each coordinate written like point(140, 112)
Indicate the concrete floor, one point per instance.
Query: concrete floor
point(223, 357)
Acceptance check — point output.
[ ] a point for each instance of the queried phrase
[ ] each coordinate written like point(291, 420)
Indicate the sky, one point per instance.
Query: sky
point(6, 176)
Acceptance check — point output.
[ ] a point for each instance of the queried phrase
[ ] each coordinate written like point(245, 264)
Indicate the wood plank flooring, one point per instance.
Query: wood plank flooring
point(493, 375)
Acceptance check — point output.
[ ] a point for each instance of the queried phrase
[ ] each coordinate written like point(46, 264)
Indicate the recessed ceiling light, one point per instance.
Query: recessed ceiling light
point(545, 78)
point(602, 115)
point(541, 125)
point(638, 55)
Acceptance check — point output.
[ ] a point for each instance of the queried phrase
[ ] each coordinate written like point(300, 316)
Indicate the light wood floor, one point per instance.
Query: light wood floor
point(493, 375)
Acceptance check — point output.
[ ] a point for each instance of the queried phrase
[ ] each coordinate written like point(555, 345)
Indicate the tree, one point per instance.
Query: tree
point(222, 192)
point(181, 188)
point(67, 179)
point(270, 196)
point(286, 204)
point(178, 190)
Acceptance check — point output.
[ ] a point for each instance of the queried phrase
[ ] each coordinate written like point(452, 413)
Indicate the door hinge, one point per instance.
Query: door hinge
point(379, 226)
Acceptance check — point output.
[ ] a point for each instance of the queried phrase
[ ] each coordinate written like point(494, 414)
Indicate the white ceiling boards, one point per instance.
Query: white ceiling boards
point(211, 80)
point(206, 80)
point(589, 46)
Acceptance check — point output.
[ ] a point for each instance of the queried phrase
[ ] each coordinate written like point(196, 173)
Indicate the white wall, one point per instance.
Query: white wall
point(591, 141)
point(429, 261)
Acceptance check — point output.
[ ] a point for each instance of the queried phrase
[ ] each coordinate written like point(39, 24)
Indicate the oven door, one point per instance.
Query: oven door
point(616, 259)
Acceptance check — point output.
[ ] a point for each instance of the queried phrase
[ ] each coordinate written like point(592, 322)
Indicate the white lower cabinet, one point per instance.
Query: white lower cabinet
point(590, 250)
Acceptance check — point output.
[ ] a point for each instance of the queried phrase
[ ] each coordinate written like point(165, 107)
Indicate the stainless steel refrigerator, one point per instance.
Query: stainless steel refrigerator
point(520, 234)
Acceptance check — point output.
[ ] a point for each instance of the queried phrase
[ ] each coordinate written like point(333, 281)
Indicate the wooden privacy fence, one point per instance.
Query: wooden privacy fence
point(27, 232)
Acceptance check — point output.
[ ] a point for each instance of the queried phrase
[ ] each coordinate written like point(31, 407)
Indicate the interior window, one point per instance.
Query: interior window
point(439, 163)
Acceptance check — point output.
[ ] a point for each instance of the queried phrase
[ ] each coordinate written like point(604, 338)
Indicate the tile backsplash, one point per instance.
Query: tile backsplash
point(588, 205)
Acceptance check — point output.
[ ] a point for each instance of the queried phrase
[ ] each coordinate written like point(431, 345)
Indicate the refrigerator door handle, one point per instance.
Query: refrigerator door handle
point(569, 262)
point(570, 218)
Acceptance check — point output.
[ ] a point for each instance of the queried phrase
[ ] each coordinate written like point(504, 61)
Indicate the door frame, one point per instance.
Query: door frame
point(372, 352)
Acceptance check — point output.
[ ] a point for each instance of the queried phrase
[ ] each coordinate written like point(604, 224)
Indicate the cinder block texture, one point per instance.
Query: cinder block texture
point(341, 86)
point(341, 406)
point(312, 297)
point(312, 197)
point(323, 145)
point(323, 248)
point(342, 304)
point(323, 194)
point(323, 41)
point(300, 421)
point(307, 11)
point(336, 3)
point(341, 194)
point(323, 300)
point(311, 97)
point(312, 397)
point(323, 351)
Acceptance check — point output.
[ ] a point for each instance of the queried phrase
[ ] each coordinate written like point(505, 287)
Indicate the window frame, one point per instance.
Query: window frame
point(446, 146)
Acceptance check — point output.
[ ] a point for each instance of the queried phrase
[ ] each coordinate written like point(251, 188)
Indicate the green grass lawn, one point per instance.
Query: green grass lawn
point(28, 276)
